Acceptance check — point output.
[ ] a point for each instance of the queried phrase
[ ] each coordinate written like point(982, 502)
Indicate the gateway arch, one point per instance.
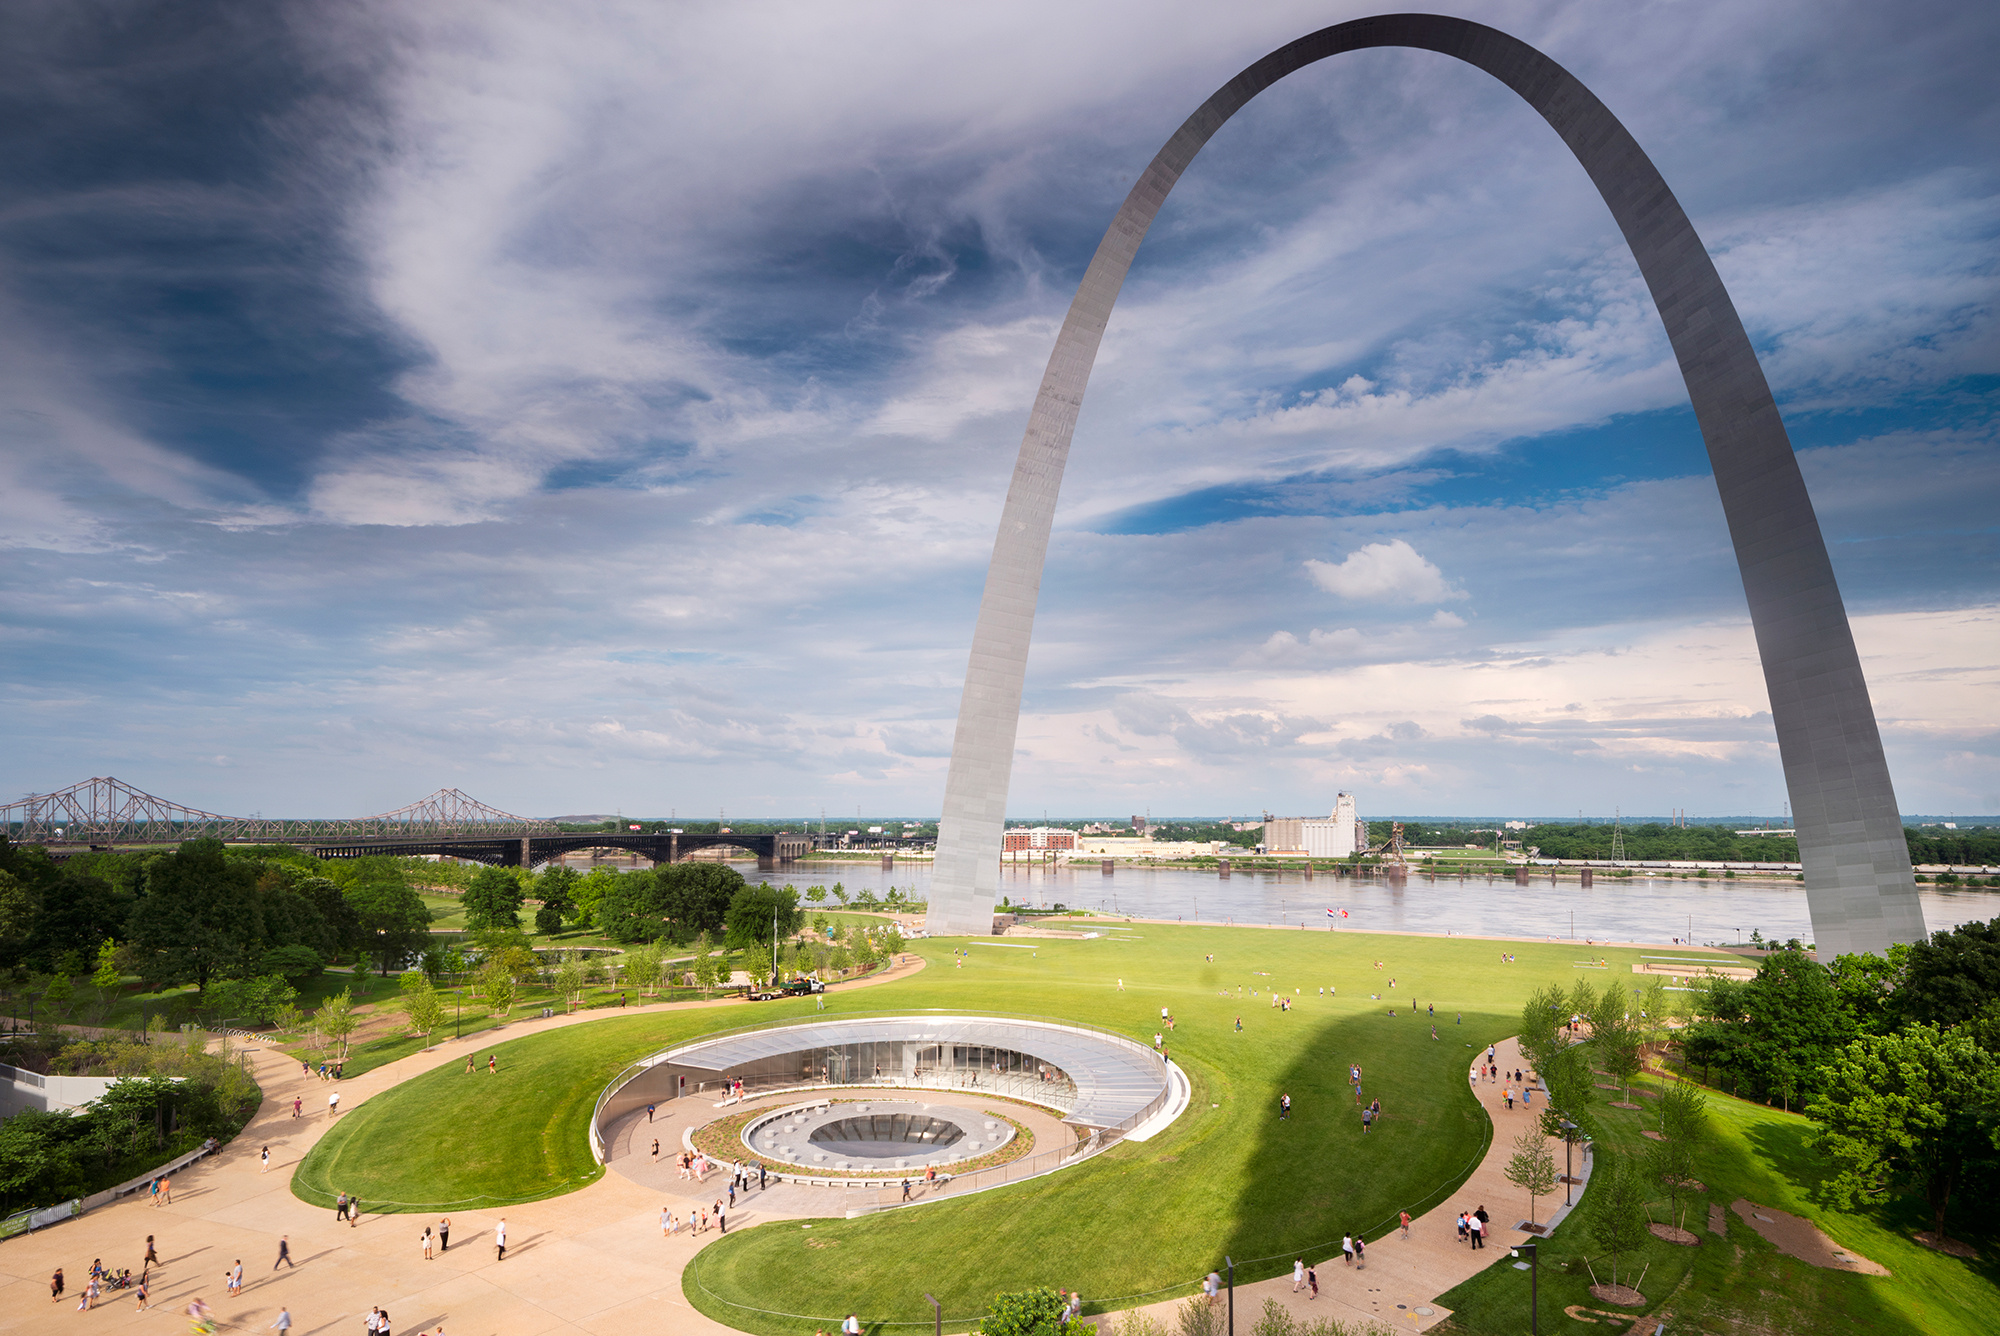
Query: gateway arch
point(1858, 877)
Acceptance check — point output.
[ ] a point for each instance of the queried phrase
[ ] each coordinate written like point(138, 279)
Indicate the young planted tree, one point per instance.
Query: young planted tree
point(423, 1008)
point(1616, 1040)
point(1532, 1168)
point(570, 980)
point(496, 981)
point(707, 969)
point(840, 894)
point(642, 969)
point(335, 1019)
point(816, 893)
point(1618, 1216)
point(1675, 1160)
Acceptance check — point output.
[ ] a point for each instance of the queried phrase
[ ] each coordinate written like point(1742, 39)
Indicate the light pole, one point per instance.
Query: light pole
point(1569, 1128)
point(1230, 1262)
point(1534, 1284)
point(938, 1309)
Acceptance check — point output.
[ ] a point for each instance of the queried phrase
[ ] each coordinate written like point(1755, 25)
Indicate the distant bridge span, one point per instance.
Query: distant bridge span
point(106, 813)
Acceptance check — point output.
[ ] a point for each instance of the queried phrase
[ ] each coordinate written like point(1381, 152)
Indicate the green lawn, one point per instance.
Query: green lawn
point(1742, 1283)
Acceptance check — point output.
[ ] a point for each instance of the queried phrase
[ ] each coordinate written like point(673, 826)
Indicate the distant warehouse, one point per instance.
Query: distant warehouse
point(1337, 836)
point(1038, 837)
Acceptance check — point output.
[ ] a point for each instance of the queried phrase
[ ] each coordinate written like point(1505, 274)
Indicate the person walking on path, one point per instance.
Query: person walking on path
point(56, 1287)
point(1474, 1228)
point(656, 1150)
point(427, 1242)
point(500, 1240)
point(333, 1104)
point(760, 1176)
point(906, 1189)
point(1312, 1283)
point(1406, 1224)
point(340, 1207)
point(1464, 1228)
point(1360, 1253)
point(139, 1294)
point(266, 1157)
point(444, 1234)
point(1485, 1223)
point(298, 1104)
point(666, 1222)
point(649, 1113)
point(353, 1212)
point(152, 1257)
point(721, 1220)
point(284, 1253)
point(154, 1190)
point(1507, 1093)
point(233, 1282)
point(1298, 1274)
point(166, 1192)
point(90, 1293)
point(284, 1322)
point(1347, 1248)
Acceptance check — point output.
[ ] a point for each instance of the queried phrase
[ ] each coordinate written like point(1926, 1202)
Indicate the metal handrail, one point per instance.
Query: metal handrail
point(633, 1069)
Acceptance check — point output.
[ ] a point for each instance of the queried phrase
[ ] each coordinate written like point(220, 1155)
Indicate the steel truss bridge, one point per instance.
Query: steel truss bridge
point(106, 813)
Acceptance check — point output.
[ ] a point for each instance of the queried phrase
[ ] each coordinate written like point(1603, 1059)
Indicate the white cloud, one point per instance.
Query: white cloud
point(1384, 572)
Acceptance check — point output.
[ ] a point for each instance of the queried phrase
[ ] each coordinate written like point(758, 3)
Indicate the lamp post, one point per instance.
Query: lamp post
point(1568, 1129)
point(458, 1025)
point(938, 1309)
point(1534, 1284)
point(1230, 1262)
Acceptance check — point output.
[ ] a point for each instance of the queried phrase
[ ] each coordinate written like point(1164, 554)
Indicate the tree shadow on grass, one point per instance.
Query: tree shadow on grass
point(1317, 1175)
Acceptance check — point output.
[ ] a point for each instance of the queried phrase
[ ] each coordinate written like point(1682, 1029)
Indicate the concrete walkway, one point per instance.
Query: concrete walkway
point(591, 1261)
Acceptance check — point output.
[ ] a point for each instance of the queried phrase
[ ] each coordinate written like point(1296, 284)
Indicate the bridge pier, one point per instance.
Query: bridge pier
point(767, 862)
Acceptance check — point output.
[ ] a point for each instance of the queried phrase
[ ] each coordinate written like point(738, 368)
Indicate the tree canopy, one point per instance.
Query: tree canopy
point(761, 914)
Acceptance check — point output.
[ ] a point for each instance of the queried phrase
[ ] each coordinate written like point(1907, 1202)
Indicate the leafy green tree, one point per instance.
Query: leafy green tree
point(394, 924)
point(336, 1020)
point(1917, 1104)
point(20, 910)
point(570, 980)
point(492, 899)
point(759, 915)
point(496, 985)
point(299, 965)
point(198, 920)
point(586, 894)
point(1774, 1033)
point(1615, 1039)
point(643, 968)
point(107, 976)
point(1036, 1312)
point(1531, 1167)
point(423, 1008)
point(816, 894)
point(1618, 1215)
point(1866, 986)
point(708, 970)
point(1542, 1035)
point(252, 1000)
point(1952, 977)
point(56, 994)
point(1675, 1161)
point(840, 894)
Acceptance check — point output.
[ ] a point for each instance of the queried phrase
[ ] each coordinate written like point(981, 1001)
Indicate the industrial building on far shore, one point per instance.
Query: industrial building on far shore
point(1337, 836)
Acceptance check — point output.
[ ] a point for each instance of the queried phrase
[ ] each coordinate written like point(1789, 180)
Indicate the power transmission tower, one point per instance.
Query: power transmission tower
point(1617, 837)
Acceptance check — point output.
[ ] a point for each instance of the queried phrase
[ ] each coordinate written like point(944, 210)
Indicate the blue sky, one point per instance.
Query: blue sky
point(600, 406)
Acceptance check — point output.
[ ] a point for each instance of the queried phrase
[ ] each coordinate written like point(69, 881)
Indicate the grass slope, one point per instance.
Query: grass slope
point(1740, 1283)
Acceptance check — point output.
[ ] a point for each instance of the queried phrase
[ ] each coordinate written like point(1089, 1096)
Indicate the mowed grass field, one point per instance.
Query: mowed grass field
point(1141, 1221)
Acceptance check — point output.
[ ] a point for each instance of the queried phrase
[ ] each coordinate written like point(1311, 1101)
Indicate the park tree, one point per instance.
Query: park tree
point(335, 1019)
point(1542, 1034)
point(1866, 986)
point(588, 892)
point(1918, 1104)
point(643, 969)
point(840, 894)
point(496, 984)
point(570, 980)
point(1773, 1033)
point(1951, 978)
point(759, 915)
point(392, 923)
point(1531, 1167)
point(1675, 1159)
point(298, 965)
point(423, 1007)
point(107, 976)
point(695, 898)
point(198, 920)
point(492, 899)
point(1616, 1040)
point(816, 894)
point(1618, 1215)
point(707, 969)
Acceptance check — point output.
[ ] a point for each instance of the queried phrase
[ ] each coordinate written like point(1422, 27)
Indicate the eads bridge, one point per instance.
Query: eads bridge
point(101, 814)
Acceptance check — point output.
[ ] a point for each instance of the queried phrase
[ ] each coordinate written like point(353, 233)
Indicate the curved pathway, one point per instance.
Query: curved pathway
point(591, 1261)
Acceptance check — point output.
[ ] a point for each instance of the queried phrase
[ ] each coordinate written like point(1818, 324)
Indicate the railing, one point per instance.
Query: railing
point(26, 1078)
point(632, 1070)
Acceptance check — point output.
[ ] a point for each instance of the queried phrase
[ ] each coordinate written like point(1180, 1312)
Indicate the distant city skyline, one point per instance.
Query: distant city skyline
point(610, 404)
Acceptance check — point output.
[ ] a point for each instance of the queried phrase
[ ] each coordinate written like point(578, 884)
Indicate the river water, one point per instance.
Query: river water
point(1642, 909)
